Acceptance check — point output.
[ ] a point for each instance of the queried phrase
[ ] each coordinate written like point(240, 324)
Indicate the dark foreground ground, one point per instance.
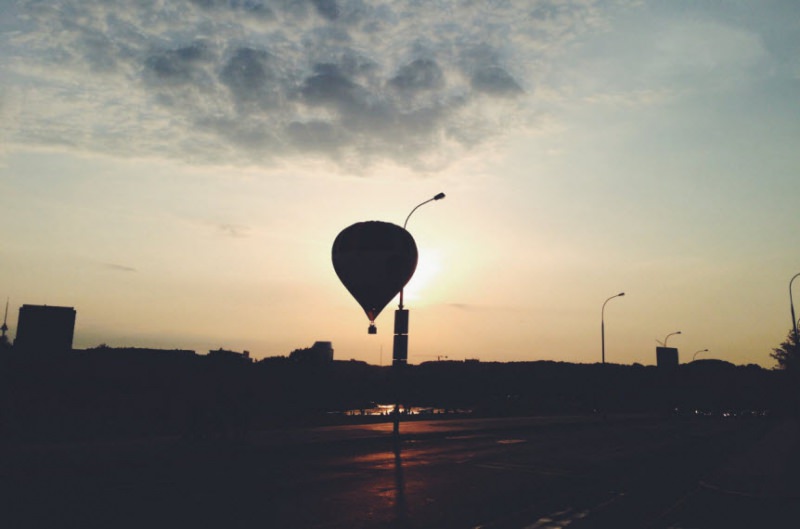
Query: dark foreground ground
point(556, 472)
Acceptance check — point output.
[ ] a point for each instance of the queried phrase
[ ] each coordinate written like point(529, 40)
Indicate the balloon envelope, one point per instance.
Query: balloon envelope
point(374, 260)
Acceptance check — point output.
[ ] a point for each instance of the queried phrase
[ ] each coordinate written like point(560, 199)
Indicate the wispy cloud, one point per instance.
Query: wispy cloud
point(473, 307)
point(119, 267)
point(234, 230)
point(228, 81)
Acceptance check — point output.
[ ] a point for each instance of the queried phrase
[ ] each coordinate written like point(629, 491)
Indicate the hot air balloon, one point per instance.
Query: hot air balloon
point(374, 260)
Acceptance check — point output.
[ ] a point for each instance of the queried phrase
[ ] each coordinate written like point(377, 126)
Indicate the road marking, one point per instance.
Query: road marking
point(757, 495)
point(558, 520)
point(561, 519)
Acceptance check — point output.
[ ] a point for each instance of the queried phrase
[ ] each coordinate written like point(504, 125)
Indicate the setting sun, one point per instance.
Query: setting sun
point(428, 267)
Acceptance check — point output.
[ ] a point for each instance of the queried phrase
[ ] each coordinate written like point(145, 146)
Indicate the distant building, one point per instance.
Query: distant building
point(226, 355)
point(319, 353)
point(141, 353)
point(44, 329)
point(667, 357)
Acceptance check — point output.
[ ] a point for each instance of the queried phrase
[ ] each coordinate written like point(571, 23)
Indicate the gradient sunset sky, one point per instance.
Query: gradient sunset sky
point(177, 171)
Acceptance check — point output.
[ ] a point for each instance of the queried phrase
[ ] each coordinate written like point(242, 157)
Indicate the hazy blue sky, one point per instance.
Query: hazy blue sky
point(177, 171)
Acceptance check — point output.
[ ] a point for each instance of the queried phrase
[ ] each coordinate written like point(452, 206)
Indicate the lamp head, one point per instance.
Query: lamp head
point(621, 294)
point(439, 196)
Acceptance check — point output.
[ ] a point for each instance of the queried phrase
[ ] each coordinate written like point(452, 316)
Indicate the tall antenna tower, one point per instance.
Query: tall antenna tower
point(4, 328)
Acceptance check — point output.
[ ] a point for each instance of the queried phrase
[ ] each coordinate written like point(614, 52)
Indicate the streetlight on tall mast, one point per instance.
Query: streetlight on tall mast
point(791, 304)
point(603, 325)
point(400, 346)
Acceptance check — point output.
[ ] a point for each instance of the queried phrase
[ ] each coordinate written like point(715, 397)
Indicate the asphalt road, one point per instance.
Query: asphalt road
point(577, 472)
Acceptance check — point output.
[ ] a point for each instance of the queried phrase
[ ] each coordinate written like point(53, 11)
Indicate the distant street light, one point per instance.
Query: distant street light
point(700, 351)
point(670, 334)
point(603, 325)
point(791, 303)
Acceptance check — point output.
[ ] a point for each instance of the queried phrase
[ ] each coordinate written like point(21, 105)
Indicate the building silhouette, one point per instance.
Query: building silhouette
point(667, 358)
point(45, 329)
point(230, 356)
point(319, 353)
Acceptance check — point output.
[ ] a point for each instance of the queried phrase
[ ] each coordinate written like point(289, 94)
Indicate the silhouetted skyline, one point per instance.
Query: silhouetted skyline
point(170, 437)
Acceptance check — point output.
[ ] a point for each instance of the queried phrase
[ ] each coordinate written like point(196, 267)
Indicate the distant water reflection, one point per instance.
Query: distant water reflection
point(378, 410)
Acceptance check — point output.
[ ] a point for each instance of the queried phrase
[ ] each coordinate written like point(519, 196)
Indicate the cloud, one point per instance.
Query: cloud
point(670, 52)
point(234, 230)
point(249, 81)
point(706, 53)
point(473, 307)
point(176, 66)
point(119, 267)
point(327, 8)
point(419, 74)
point(496, 81)
point(249, 76)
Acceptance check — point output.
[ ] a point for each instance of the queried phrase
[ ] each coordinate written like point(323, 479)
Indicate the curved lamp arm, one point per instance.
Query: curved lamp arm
point(437, 197)
point(670, 334)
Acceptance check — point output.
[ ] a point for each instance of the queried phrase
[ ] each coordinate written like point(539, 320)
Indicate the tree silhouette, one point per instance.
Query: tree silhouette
point(787, 354)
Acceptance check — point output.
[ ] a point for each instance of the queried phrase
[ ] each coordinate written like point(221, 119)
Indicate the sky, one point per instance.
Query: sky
point(177, 171)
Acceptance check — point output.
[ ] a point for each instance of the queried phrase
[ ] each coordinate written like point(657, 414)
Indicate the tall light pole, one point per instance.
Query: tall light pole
point(603, 325)
point(670, 334)
point(437, 197)
point(698, 352)
point(400, 344)
point(794, 318)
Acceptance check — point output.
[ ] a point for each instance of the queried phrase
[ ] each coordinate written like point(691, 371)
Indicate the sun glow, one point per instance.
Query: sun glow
point(428, 268)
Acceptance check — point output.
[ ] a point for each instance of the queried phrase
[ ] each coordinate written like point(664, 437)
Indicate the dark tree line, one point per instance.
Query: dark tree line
point(106, 393)
point(787, 354)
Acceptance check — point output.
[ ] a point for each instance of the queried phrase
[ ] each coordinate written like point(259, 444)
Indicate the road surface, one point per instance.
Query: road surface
point(576, 472)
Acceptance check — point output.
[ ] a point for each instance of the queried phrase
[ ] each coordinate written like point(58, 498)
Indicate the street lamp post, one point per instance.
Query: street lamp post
point(670, 334)
point(400, 345)
point(791, 304)
point(698, 352)
point(603, 325)
point(437, 197)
